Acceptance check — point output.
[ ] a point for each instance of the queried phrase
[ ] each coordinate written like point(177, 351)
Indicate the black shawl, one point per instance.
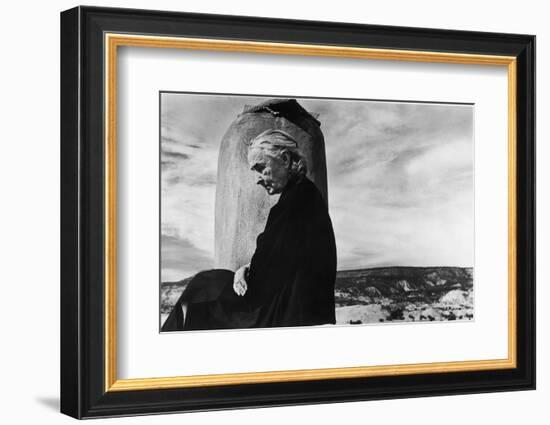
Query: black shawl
point(291, 277)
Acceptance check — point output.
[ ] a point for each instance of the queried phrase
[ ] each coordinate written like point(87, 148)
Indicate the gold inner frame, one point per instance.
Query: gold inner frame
point(113, 41)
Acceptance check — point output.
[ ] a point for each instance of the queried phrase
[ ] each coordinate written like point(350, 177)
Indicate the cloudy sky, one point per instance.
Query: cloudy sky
point(400, 180)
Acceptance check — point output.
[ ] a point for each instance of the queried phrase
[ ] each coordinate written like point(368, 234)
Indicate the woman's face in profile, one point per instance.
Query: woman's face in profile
point(272, 171)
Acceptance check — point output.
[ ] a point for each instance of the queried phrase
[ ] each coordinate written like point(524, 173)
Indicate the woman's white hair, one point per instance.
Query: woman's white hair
point(277, 142)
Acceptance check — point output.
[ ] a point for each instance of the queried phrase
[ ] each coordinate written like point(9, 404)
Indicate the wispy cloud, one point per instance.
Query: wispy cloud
point(192, 127)
point(180, 258)
point(400, 178)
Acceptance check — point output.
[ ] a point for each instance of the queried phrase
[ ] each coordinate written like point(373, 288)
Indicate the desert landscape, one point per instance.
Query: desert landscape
point(385, 294)
point(404, 294)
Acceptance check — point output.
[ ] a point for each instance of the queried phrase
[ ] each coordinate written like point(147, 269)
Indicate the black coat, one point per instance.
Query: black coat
point(291, 277)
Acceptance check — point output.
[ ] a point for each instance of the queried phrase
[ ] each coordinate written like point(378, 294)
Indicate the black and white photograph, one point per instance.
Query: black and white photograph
point(285, 207)
point(294, 211)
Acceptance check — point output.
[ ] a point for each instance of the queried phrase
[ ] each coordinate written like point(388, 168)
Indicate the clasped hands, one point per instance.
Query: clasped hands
point(239, 281)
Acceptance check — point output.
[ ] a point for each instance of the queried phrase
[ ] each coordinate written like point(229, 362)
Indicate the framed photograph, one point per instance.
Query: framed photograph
point(261, 212)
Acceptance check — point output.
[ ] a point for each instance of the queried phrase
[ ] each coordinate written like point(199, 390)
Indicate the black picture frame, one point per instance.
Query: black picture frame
point(83, 168)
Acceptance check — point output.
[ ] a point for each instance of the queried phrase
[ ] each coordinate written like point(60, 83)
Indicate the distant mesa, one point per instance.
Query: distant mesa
point(404, 294)
point(386, 294)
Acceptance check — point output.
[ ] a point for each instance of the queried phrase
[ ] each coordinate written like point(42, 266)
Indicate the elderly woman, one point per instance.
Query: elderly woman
point(290, 278)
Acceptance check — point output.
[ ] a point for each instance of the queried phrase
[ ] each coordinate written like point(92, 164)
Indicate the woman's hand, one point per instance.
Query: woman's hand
point(239, 282)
